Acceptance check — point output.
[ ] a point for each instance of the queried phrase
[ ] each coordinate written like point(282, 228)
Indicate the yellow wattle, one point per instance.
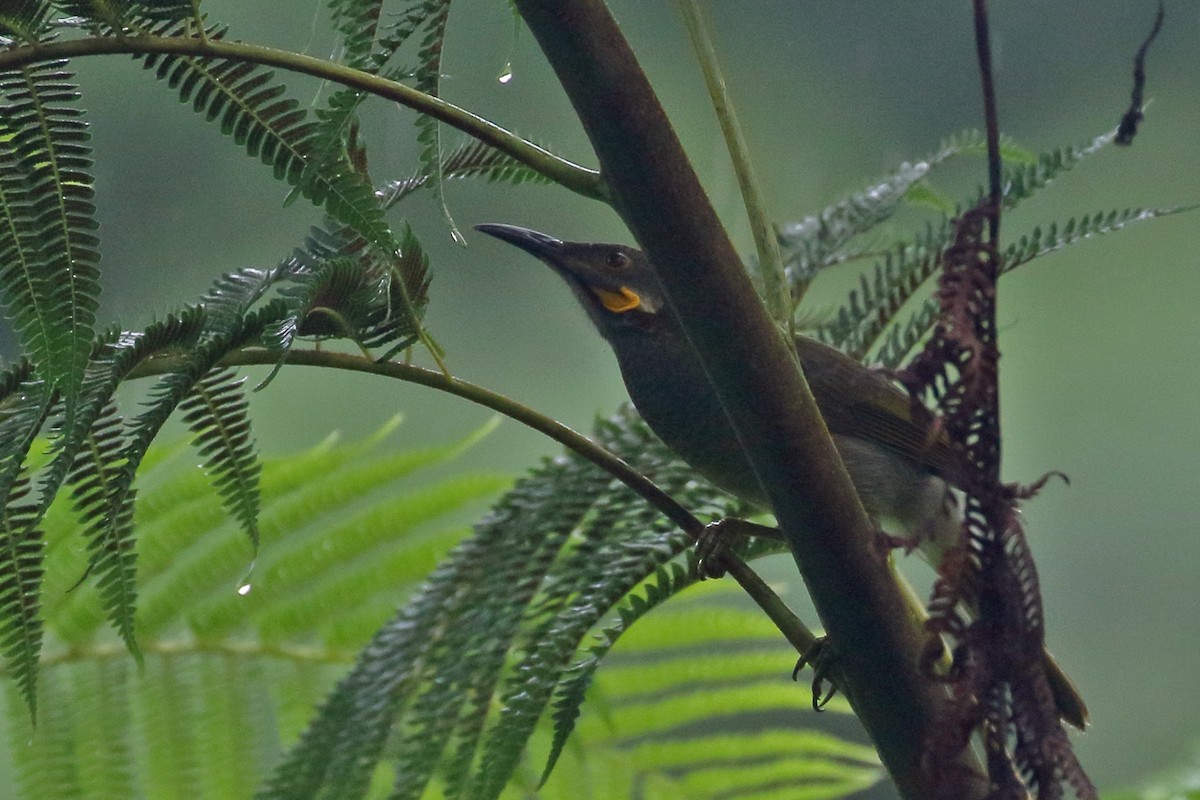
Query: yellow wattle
point(624, 299)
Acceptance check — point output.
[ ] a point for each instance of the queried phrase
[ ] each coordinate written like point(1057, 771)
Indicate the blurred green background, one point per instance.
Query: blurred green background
point(1099, 371)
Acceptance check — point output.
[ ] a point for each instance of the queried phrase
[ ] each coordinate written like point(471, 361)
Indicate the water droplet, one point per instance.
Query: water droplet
point(506, 74)
point(457, 236)
point(244, 589)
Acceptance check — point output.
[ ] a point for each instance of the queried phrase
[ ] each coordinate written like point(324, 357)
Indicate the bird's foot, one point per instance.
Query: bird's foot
point(888, 542)
point(718, 537)
point(821, 658)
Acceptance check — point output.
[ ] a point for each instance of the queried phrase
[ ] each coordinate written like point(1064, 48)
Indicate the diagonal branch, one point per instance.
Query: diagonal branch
point(797, 634)
point(756, 377)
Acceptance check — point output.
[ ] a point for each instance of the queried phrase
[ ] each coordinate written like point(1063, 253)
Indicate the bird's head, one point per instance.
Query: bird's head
point(615, 283)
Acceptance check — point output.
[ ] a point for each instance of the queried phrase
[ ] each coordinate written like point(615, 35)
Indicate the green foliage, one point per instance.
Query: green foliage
point(217, 412)
point(868, 322)
point(346, 531)
point(48, 249)
point(243, 613)
point(237, 648)
point(471, 159)
point(255, 111)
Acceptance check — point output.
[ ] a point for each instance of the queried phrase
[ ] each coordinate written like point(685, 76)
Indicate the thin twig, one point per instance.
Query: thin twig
point(983, 49)
point(1129, 123)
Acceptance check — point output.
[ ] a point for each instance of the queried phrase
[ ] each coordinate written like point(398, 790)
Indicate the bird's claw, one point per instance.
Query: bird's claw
point(888, 542)
point(717, 538)
point(711, 548)
point(820, 658)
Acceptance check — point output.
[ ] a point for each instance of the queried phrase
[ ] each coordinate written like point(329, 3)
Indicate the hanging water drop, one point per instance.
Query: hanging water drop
point(506, 74)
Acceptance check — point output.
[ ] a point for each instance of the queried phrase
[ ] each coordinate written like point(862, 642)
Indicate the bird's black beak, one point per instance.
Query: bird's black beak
point(539, 245)
point(584, 267)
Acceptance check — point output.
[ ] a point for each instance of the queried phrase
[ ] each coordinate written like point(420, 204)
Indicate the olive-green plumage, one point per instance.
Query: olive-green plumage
point(901, 466)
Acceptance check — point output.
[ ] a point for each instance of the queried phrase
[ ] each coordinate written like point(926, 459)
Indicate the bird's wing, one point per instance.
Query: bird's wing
point(859, 401)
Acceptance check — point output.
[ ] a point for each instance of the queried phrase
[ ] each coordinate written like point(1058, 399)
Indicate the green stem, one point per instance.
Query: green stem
point(766, 243)
point(581, 180)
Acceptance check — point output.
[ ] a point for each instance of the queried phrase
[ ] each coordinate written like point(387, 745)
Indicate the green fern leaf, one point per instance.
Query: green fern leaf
point(1039, 242)
point(428, 80)
point(26, 20)
point(820, 240)
point(825, 239)
point(256, 113)
point(21, 627)
point(870, 308)
point(200, 719)
point(235, 293)
point(1023, 181)
point(569, 694)
point(869, 312)
point(217, 412)
point(357, 24)
point(499, 622)
point(337, 288)
point(25, 407)
point(95, 476)
point(217, 690)
point(470, 159)
point(974, 141)
point(48, 255)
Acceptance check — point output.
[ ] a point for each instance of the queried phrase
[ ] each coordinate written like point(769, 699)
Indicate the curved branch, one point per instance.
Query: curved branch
point(797, 634)
point(579, 179)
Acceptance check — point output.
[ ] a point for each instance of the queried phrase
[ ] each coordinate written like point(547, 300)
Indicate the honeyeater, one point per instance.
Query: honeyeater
point(902, 468)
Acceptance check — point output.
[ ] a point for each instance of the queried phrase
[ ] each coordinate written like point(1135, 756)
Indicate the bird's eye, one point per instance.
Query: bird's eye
point(617, 260)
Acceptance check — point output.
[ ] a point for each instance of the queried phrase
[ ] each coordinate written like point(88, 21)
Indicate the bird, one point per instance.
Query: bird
point(900, 461)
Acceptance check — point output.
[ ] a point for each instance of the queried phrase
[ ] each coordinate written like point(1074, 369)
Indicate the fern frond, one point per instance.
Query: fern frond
point(407, 287)
point(901, 338)
point(217, 412)
point(1039, 242)
point(623, 543)
point(406, 23)
point(90, 456)
point(48, 255)
point(429, 80)
point(470, 159)
point(822, 239)
point(498, 623)
point(1024, 180)
point(105, 494)
point(690, 671)
point(235, 293)
point(21, 627)
point(870, 308)
point(974, 142)
point(23, 412)
point(357, 24)
point(338, 288)
point(256, 112)
point(95, 477)
point(114, 355)
point(25, 21)
point(204, 712)
point(568, 696)
point(825, 239)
